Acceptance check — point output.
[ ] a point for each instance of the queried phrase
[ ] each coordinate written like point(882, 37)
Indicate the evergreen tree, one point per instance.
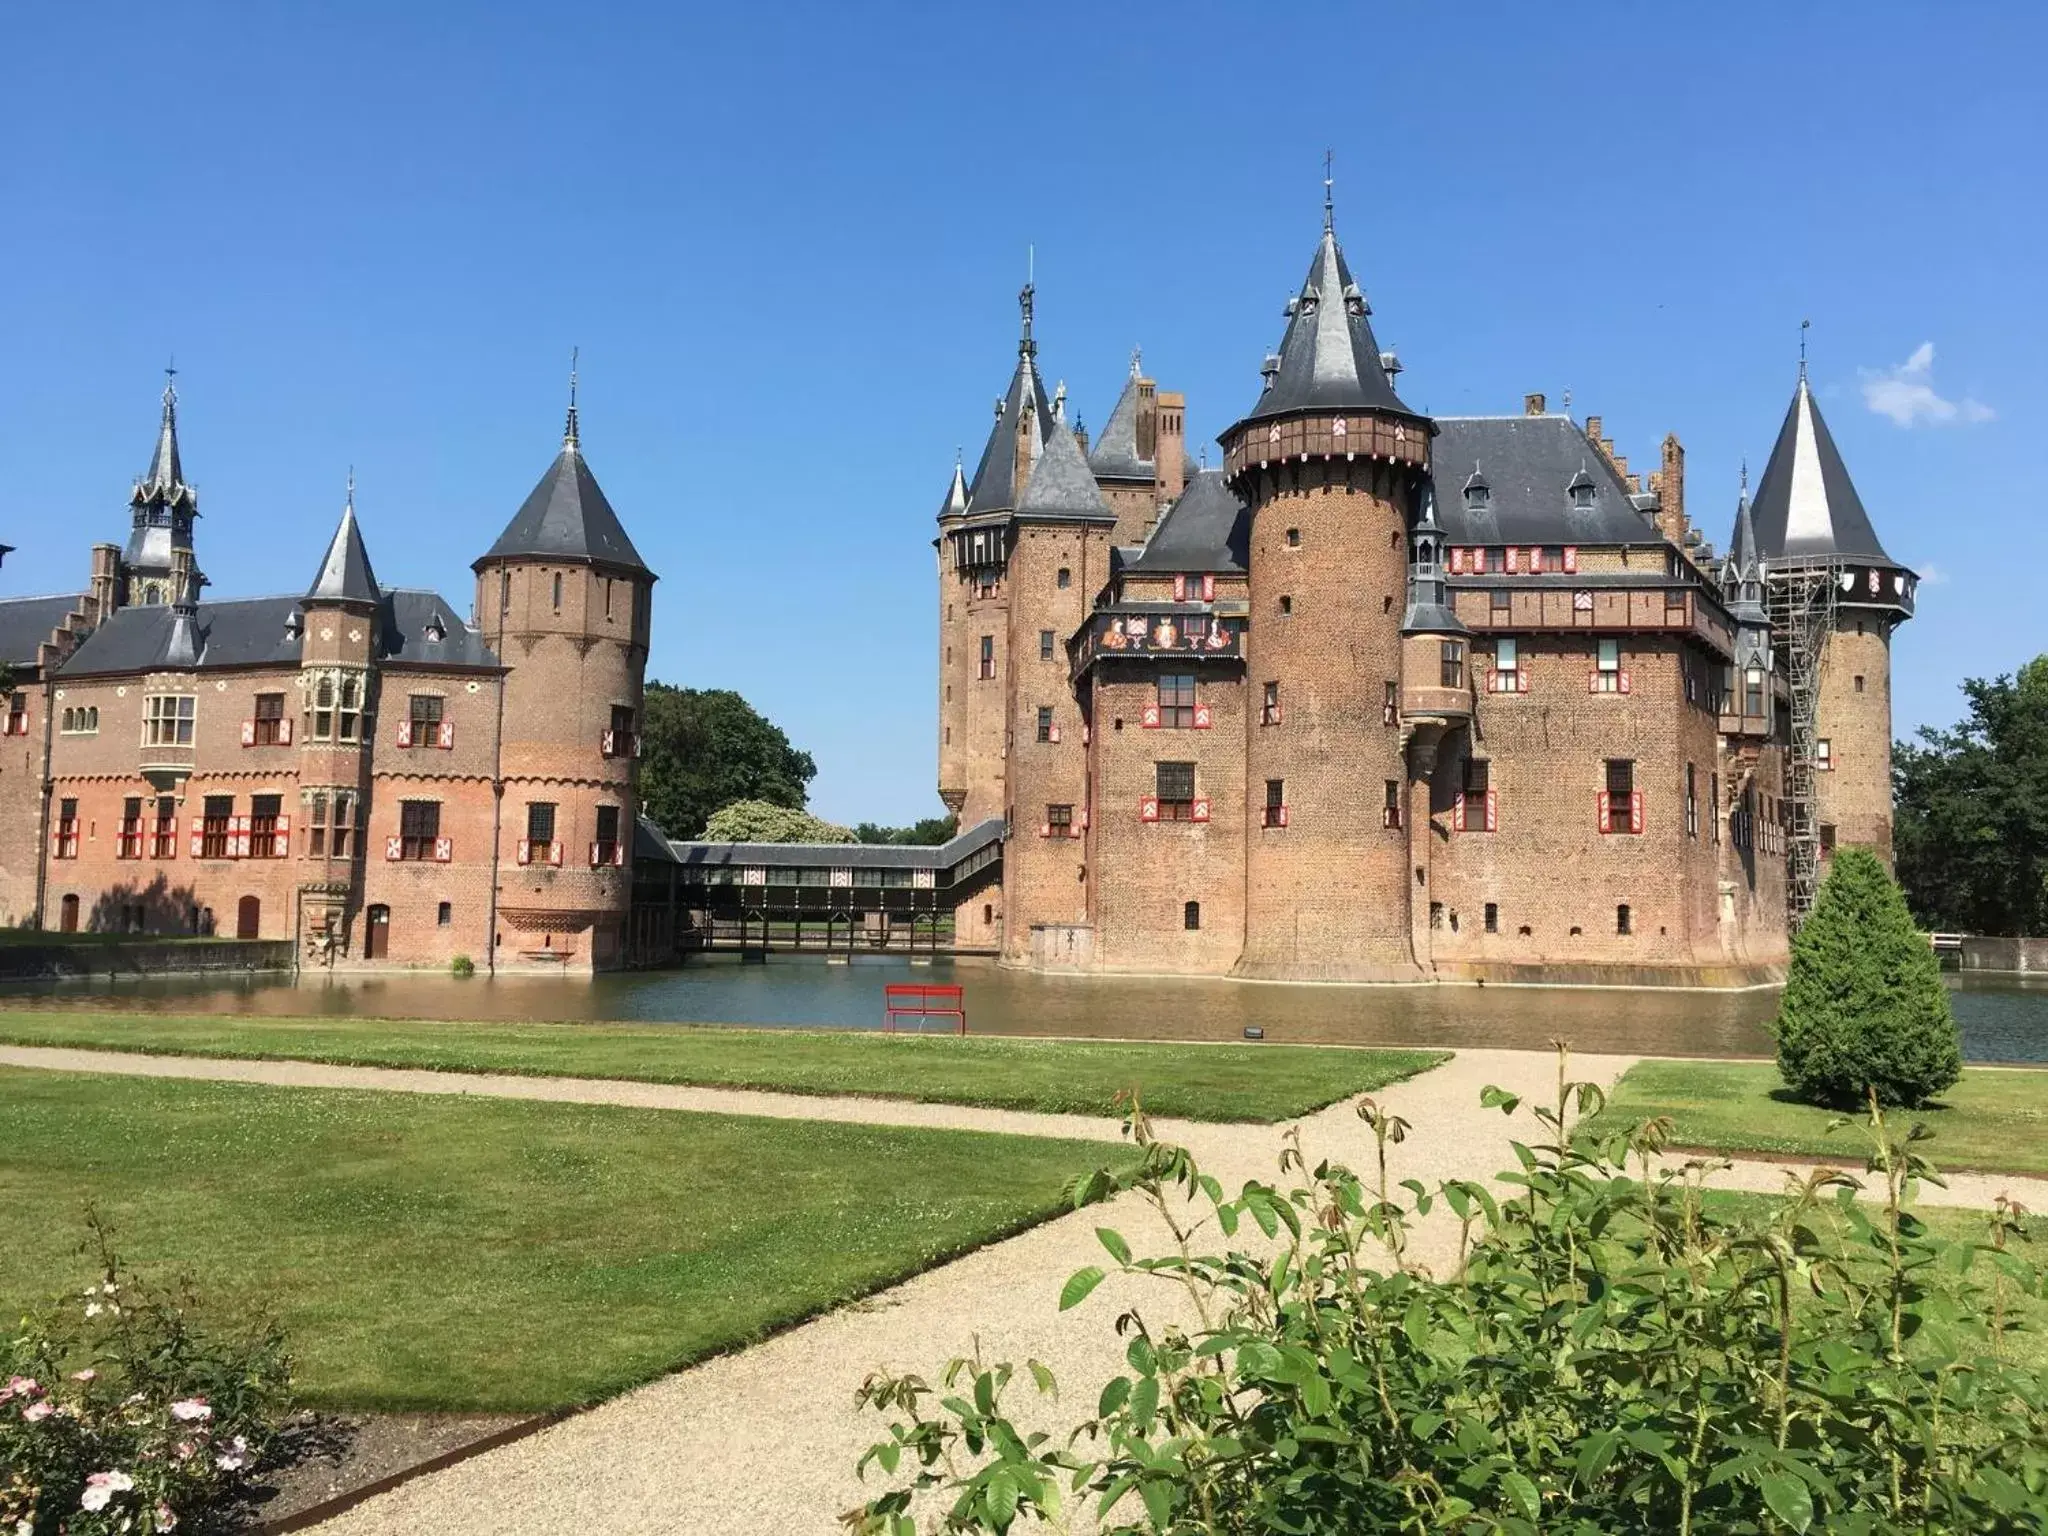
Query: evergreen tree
point(1864, 1006)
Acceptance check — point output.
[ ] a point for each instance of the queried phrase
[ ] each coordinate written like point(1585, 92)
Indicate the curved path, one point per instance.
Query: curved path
point(764, 1441)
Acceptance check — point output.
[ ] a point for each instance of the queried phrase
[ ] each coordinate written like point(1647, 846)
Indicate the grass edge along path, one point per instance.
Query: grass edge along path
point(1993, 1121)
point(488, 1255)
point(1229, 1083)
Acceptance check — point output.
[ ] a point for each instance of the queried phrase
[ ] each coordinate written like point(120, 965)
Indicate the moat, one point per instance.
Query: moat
point(2002, 1021)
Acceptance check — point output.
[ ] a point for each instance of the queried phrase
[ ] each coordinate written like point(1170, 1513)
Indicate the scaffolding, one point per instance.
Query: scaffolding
point(1800, 597)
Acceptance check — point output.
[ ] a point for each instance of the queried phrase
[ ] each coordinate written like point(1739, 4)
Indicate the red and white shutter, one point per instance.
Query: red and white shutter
point(1052, 733)
point(405, 733)
point(1635, 810)
point(1148, 808)
point(281, 840)
point(619, 853)
point(198, 842)
point(1208, 589)
point(1593, 681)
point(1203, 718)
point(555, 853)
point(1536, 562)
point(1200, 811)
point(1180, 589)
point(1623, 683)
point(284, 732)
point(248, 733)
point(444, 849)
point(1571, 559)
point(1513, 560)
point(607, 742)
point(1458, 814)
point(171, 840)
point(1150, 718)
point(525, 851)
point(1493, 810)
point(447, 734)
point(1606, 813)
point(393, 847)
point(1283, 815)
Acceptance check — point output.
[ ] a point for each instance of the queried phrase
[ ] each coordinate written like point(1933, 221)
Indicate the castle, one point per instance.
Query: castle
point(1392, 698)
point(352, 767)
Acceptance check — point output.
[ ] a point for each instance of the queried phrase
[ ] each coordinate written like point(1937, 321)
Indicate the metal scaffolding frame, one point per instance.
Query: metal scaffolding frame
point(1800, 597)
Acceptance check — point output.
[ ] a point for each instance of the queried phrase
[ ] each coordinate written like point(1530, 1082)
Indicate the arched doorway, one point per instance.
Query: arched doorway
point(248, 918)
point(377, 933)
point(67, 915)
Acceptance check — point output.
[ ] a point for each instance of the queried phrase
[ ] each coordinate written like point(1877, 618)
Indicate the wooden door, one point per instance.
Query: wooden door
point(377, 933)
point(248, 918)
point(68, 914)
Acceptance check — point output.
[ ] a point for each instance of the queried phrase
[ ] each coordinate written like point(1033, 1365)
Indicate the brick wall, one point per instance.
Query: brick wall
point(1855, 795)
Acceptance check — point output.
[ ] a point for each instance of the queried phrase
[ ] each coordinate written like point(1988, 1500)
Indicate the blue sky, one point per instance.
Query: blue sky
point(788, 240)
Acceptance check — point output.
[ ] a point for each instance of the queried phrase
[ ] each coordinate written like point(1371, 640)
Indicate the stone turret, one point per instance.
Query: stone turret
point(163, 509)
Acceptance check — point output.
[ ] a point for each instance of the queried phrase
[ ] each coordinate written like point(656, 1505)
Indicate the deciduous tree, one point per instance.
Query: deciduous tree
point(703, 748)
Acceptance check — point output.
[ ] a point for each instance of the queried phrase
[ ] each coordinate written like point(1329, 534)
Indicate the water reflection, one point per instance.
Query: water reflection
point(2001, 1021)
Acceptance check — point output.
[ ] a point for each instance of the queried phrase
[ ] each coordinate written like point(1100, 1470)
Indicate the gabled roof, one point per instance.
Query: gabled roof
point(1207, 529)
point(26, 622)
point(994, 487)
point(567, 518)
point(266, 631)
point(1527, 465)
point(1806, 504)
point(1328, 359)
point(968, 841)
point(1115, 454)
point(345, 575)
point(1062, 487)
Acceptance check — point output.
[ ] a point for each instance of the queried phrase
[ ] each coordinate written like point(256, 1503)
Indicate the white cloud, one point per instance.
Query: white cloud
point(1932, 576)
point(1907, 395)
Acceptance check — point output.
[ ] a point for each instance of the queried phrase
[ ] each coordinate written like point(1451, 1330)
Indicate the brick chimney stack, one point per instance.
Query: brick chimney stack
point(1170, 451)
point(1669, 484)
point(1532, 405)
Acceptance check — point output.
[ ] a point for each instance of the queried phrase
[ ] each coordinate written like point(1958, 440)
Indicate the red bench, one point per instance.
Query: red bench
point(914, 1000)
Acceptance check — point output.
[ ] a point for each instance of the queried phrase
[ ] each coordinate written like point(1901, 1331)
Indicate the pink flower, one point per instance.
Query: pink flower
point(185, 1450)
point(87, 1374)
point(101, 1487)
point(191, 1410)
point(36, 1412)
point(20, 1386)
point(165, 1519)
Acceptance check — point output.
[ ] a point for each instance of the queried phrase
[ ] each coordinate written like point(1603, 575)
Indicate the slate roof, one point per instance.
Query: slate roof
point(567, 518)
point(260, 631)
point(345, 574)
point(1806, 505)
point(955, 503)
point(1328, 358)
point(1061, 486)
point(1528, 464)
point(1207, 529)
point(840, 855)
point(994, 487)
point(26, 622)
point(165, 481)
point(1115, 455)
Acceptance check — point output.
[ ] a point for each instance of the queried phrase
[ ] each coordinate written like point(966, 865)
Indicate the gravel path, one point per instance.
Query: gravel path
point(764, 1441)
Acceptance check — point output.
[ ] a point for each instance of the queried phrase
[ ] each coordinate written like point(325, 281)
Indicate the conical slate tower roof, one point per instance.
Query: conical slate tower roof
point(1116, 454)
point(955, 504)
point(1743, 574)
point(345, 575)
point(1061, 485)
point(567, 517)
point(994, 487)
point(1806, 506)
point(164, 484)
point(1328, 359)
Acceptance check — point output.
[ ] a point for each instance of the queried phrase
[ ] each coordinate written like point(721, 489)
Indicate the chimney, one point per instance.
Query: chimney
point(1532, 405)
point(1148, 419)
point(1593, 430)
point(1669, 484)
point(106, 581)
point(1170, 456)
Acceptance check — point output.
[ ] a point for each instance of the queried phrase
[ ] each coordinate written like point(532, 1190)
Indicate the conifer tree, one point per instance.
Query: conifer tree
point(1864, 1006)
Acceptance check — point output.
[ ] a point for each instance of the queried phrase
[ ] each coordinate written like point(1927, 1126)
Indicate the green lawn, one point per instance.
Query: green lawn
point(471, 1254)
point(1260, 1083)
point(1995, 1119)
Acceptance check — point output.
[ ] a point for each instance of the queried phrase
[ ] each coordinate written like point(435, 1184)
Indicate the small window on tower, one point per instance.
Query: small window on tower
point(504, 591)
point(1500, 602)
point(1045, 722)
point(1269, 710)
point(1065, 578)
point(1623, 923)
point(1823, 754)
point(445, 914)
point(1859, 682)
point(1451, 664)
point(558, 591)
point(1191, 916)
point(348, 719)
point(1286, 604)
point(1276, 803)
point(1390, 812)
point(988, 656)
point(1294, 538)
point(1045, 642)
point(1493, 917)
point(1174, 786)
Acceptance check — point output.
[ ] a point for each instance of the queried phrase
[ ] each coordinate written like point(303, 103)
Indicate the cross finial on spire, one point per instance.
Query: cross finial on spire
point(1745, 474)
point(349, 505)
point(1804, 327)
point(1329, 190)
point(571, 437)
point(170, 383)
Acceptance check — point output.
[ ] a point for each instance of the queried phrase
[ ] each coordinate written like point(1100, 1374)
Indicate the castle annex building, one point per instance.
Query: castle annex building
point(351, 766)
point(1390, 698)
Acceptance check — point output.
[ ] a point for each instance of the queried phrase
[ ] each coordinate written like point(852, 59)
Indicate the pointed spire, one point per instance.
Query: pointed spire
point(1062, 488)
point(164, 485)
point(1806, 506)
point(572, 439)
point(345, 575)
point(993, 485)
point(955, 504)
point(1329, 192)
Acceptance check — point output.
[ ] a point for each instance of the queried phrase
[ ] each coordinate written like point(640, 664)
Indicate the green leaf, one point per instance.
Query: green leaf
point(999, 1498)
point(1523, 1495)
point(1594, 1456)
point(1113, 1241)
point(1788, 1500)
point(1078, 1285)
point(1145, 1401)
point(1114, 1395)
point(1043, 1377)
point(1158, 1497)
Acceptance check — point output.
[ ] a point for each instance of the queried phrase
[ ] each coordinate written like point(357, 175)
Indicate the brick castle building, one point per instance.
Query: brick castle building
point(352, 766)
point(1386, 698)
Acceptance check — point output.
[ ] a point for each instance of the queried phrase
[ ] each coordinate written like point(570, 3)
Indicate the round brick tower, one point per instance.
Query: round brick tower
point(1329, 461)
point(563, 599)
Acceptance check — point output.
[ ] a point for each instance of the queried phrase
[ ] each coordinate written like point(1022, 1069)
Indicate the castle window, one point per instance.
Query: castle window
point(1269, 710)
point(1496, 562)
point(268, 726)
point(424, 713)
point(1714, 808)
point(1059, 821)
point(1623, 923)
point(1294, 538)
point(316, 824)
point(620, 741)
point(1827, 837)
point(323, 710)
point(1619, 815)
point(985, 587)
point(1191, 916)
point(1507, 662)
point(1859, 682)
point(607, 599)
point(1390, 706)
point(1286, 604)
point(1692, 802)
point(17, 714)
point(1823, 754)
point(167, 719)
point(419, 828)
point(152, 594)
point(263, 815)
point(504, 591)
point(607, 850)
point(1390, 811)
point(80, 720)
point(1045, 722)
point(1581, 490)
point(67, 833)
point(1553, 557)
point(1753, 692)
point(1493, 917)
point(128, 842)
point(1451, 664)
point(1175, 785)
point(1276, 803)
point(1500, 602)
point(558, 591)
point(348, 719)
point(1478, 495)
point(540, 822)
point(216, 827)
point(1177, 701)
point(1674, 599)
point(445, 913)
point(347, 840)
point(1065, 579)
point(1045, 645)
point(1610, 655)
point(988, 656)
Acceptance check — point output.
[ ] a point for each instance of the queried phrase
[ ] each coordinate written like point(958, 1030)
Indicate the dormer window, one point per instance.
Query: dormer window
point(1581, 492)
point(436, 631)
point(1478, 494)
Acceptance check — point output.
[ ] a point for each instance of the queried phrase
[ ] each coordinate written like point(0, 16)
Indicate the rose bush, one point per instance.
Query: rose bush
point(119, 1415)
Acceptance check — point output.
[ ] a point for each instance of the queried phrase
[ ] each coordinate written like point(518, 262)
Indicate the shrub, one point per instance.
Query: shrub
point(1612, 1354)
point(462, 965)
point(756, 821)
point(1864, 1010)
point(120, 1415)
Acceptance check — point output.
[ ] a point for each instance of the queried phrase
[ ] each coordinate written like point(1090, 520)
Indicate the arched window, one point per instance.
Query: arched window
point(1191, 916)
